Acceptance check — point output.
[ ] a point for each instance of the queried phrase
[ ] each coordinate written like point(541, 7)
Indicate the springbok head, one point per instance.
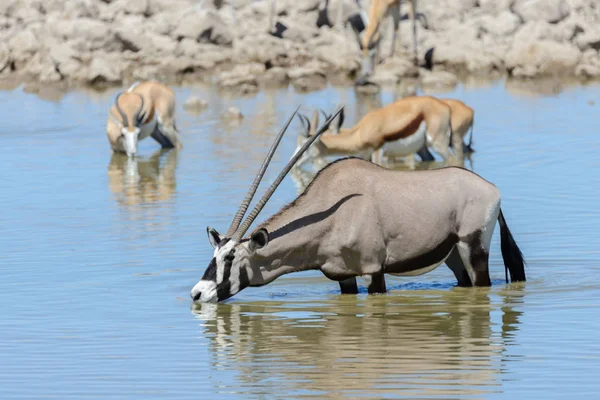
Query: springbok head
point(130, 107)
point(235, 264)
point(309, 127)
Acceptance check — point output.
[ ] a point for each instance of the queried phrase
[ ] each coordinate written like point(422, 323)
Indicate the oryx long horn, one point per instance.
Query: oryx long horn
point(123, 116)
point(259, 206)
point(246, 202)
point(137, 117)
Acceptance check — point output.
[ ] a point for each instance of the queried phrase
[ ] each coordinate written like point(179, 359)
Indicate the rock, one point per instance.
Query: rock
point(132, 39)
point(86, 34)
point(274, 77)
point(233, 113)
point(204, 26)
point(504, 24)
point(65, 59)
point(589, 66)
point(160, 45)
point(140, 7)
point(542, 57)
point(495, 6)
point(195, 104)
point(309, 83)
point(587, 71)
point(536, 30)
point(4, 56)
point(105, 69)
point(551, 11)
point(163, 23)
point(80, 9)
point(188, 47)
point(310, 69)
point(590, 39)
point(438, 79)
point(22, 47)
point(241, 75)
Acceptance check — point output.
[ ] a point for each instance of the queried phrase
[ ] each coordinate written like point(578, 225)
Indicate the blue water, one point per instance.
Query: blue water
point(98, 257)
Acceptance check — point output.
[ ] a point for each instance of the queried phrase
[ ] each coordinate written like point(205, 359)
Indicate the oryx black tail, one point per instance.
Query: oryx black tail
point(511, 254)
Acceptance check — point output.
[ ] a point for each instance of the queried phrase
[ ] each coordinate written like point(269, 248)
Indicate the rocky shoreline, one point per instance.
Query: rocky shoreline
point(103, 42)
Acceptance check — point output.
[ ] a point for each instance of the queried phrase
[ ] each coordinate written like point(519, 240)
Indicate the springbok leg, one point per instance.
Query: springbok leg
point(349, 286)
point(425, 154)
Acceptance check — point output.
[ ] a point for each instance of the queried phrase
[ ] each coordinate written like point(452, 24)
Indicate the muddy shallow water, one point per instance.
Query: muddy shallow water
point(98, 255)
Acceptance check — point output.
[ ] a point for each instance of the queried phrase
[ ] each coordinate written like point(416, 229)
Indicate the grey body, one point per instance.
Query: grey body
point(360, 219)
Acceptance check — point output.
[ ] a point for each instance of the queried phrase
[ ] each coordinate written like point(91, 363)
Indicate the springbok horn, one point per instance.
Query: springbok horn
point(139, 118)
point(246, 202)
point(308, 126)
point(123, 116)
point(305, 124)
point(325, 116)
point(259, 206)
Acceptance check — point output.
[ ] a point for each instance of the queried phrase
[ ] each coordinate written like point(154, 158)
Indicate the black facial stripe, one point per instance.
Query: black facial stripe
point(224, 291)
point(228, 264)
point(211, 272)
point(244, 280)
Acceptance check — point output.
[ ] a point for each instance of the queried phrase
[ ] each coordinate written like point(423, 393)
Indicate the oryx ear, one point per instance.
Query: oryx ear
point(259, 239)
point(214, 237)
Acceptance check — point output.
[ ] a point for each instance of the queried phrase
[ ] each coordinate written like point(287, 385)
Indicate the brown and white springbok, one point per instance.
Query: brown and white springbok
point(462, 120)
point(359, 219)
point(399, 129)
point(145, 109)
point(378, 11)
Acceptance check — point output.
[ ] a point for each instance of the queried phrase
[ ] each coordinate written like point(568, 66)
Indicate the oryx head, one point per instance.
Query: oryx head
point(233, 266)
point(130, 107)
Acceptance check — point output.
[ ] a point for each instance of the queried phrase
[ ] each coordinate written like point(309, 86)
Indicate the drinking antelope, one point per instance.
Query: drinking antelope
point(378, 11)
point(145, 109)
point(462, 119)
point(399, 129)
point(359, 219)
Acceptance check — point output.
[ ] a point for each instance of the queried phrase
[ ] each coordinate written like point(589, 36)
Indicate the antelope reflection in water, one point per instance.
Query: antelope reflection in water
point(136, 181)
point(417, 343)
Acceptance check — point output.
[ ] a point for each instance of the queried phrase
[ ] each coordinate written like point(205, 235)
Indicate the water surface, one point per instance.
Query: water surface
point(98, 255)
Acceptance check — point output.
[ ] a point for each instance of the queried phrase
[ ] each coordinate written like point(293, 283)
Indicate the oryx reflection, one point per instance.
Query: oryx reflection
point(416, 343)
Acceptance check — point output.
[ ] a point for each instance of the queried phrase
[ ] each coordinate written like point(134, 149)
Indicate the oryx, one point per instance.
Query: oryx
point(359, 219)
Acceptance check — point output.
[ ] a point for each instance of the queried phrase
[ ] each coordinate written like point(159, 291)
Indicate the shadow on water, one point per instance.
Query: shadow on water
point(430, 343)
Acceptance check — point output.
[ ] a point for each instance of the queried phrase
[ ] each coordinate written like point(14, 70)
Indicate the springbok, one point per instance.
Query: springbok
point(462, 119)
point(359, 219)
point(145, 109)
point(400, 129)
point(378, 11)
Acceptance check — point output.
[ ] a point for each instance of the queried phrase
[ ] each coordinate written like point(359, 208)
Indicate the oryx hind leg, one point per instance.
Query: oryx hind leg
point(375, 283)
point(455, 263)
point(474, 253)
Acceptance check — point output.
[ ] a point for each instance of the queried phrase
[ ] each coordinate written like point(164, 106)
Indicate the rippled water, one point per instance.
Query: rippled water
point(98, 255)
